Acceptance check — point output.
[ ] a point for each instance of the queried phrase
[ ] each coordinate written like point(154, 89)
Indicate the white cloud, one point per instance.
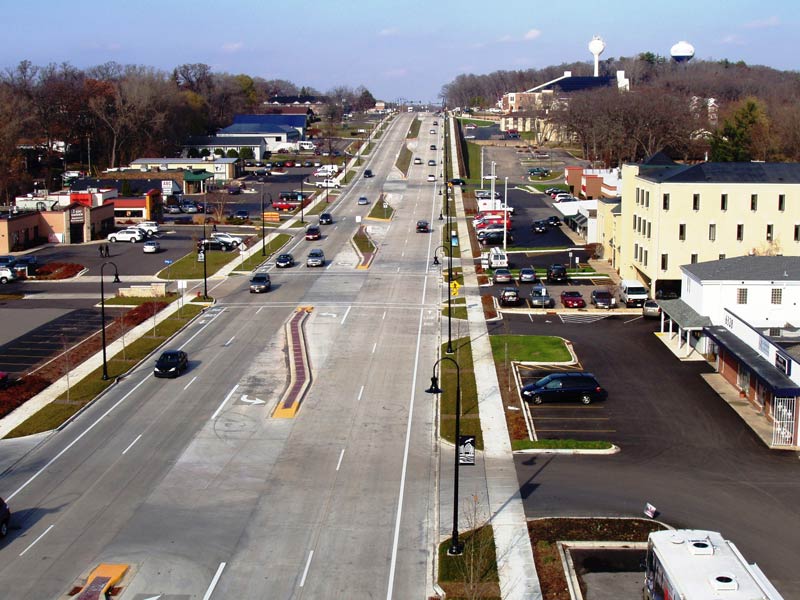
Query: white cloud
point(732, 39)
point(231, 47)
point(772, 21)
point(396, 73)
point(388, 31)
point(504, 39)
point(532, 34)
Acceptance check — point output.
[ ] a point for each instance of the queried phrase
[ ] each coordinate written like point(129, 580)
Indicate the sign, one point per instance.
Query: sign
point(454, 287)
point(466, 449)
point(454, 240)
point(76, 215)
point(782, 364)
point(167, 261)
point(201, 257)
point(181, 284)
point(167, 187)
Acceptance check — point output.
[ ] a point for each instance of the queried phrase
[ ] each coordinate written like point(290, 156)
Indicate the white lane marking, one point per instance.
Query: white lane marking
point(341, 456)
point(77, 439)
point(375, 345)
point(347, 312)
point(214, 581)
point(196, 333)
point(228, 343)
point(305, 571)
point(138, 437)
point(402, 254)
point(329, 266)
point(216, 412)
point(36, 540)
point(383, 318)
point(631, 320)
point(190, 383)
point(530, 316)
point(260, 308)
point(361, 391)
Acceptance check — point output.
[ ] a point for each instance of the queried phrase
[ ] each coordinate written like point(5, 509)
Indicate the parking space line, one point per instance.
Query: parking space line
point(573, 418)
point(577, 430)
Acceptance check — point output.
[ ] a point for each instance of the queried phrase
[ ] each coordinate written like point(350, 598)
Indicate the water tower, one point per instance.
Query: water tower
point(682, 52)
point(596, 47)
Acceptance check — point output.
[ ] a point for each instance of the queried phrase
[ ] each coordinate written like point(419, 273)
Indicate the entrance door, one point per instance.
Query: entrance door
point(76, 233)
point(783, 428)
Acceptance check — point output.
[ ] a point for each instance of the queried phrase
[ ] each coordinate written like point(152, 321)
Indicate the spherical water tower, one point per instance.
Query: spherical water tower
point(682, 52)
point(596, 47)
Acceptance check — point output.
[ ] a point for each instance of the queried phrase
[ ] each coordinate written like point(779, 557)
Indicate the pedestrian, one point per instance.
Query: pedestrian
point(106, 251)
point(102, 253)
point(214, 227)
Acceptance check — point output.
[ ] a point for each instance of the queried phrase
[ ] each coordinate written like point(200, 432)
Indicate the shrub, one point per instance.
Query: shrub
point(20, 391)
point(58, 270)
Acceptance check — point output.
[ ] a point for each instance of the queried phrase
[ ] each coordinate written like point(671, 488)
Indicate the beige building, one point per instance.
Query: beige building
point(675, 215)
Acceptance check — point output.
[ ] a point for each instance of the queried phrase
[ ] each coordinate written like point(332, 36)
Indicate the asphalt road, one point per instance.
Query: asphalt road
point(192, 483)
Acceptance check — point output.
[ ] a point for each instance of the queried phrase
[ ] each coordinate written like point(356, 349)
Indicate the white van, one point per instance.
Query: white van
point(495, 205)
point(497, 258)
point(306, 146)
point(632, 293)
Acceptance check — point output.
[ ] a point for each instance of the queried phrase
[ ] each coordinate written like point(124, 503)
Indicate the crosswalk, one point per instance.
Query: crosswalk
point(580, 317)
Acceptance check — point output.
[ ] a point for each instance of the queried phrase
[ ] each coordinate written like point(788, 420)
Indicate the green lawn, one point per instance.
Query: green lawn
point(189, 267)
point(362, 242)
point(413, 131)
point(270, 248)
point(404, 160)
point(381, 210)
point(529, 348)
point(470, 423)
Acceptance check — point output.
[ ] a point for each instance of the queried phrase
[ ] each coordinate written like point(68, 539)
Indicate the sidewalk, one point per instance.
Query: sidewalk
point(516, 569)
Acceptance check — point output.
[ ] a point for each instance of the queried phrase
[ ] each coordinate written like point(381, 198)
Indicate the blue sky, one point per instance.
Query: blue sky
point(397, 49)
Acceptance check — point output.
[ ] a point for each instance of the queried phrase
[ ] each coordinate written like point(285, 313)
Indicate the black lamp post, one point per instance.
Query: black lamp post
point(103, 312)
point(203, 247)
point(456, 547)
point(302, 201)
point(263, 235)
point(446, 197)
point(435, 257)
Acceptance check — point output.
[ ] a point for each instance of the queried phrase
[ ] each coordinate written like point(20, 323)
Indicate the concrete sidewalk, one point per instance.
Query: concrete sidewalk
point(516, 569)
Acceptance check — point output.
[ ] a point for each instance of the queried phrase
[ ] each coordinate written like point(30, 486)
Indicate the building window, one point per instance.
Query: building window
point(696, 202)
point(722, 257)
point(712, 232)
point(693, 258)
point(647, 199)
point(648, 229)
point(637, 195)
point(634, 221)
point(797, 233)
point(682, 231)
point(754, 202)
point(723, 202)
point(741, 296)
point(781, 202)
point(665, 262)
point(636, 251)
point(769, 232)
point(740, 232)
point(777, 296)
point(645, 258)
point(665, 202)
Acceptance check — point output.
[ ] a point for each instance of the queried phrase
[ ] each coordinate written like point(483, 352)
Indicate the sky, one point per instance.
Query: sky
point(398, 50)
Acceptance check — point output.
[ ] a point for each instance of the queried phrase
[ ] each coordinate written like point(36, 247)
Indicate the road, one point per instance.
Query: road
point(192, 483)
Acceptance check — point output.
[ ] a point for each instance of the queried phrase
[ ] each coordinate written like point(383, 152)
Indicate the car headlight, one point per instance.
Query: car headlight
point(172, 369)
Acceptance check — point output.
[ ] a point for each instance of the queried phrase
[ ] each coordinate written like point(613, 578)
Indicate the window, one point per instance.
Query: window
point(634, 221)
point(645, 258)
point(638, 225)
point(797, 233)
point(664, 262)
point(754, 202)
point(693, 259)
point(722, 257)
point(723, 202)
point(648, 229)
point(696, 202)
point(777, 296)
point(769, 232)
point(741, 296)
point(647, 199)
point(636, 251)
point(637, 195)
point(682, 231)
point(665, 202)
point(781, 202)
point(712, 232)
point(740, 232)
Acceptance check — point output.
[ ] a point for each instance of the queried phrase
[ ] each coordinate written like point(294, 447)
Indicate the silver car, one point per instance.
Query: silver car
point(540, 298)
point(651, 309)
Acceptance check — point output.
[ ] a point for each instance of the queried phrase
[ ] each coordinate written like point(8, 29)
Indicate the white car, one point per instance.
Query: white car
point(431, 177)
point(149, 227)
point(6, 275)
point(126, 235)
point(151, 247)
point(418, 161)
point(224, 236)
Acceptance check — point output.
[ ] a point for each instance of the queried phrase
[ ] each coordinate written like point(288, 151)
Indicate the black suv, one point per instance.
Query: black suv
point(557, 273)
point(565, 387)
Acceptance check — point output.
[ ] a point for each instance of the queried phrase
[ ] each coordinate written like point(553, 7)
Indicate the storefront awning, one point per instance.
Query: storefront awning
point(201, 176)
point(684, 315)
point(779, 383)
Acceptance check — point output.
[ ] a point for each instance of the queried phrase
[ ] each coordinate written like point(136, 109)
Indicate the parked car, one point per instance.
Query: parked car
point(651, 309)
point(539, 226)
point(556, 274)
point(325, 219)
point(565, 387)
point(214, 244)
point(572, 299)
point(316, 258)
point(25, 265)
point(433, 146)
point(241, 214)
point(502, 276)
point(458, 181)
point(363, 200)
point(259, 283)
point(7, 275)
point(540, 298)
point(126, 235)
point(603, 299)
point(510, 296)
point(189, 208)
point(368, 173)
point(171, 363)
point(149, 227)
point(553, 191)
point(494, 237)
point(5, 518)
point(151, 247)
point(328, 183)
point(226, 237)
point(423, 227)
point(313, 232)
point(173, 209)
point(284, 261)
point(527, 275)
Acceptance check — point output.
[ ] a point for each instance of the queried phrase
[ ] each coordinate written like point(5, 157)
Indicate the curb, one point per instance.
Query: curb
point(573, 451)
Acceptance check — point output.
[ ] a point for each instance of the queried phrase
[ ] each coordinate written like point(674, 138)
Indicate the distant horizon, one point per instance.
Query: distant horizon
point(398, 51)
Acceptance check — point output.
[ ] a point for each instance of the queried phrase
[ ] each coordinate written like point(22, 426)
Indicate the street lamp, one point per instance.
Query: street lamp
point(435, 257)
point(446, 197)
point(103, 312)
point(302, 201)
point(456, 547)
point(202, 251)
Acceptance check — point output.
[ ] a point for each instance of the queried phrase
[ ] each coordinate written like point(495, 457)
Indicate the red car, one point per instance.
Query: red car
point(572, 300)
point(313, 233)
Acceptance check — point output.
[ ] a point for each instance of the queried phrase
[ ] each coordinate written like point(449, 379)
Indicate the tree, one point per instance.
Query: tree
point(247, 153)
point(232, 153)
point(743, 136)
point(365, 99)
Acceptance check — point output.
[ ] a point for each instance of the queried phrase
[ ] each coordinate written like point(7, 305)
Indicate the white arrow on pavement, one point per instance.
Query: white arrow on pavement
point(154, 597)
point(248, 400)
point(334, 315)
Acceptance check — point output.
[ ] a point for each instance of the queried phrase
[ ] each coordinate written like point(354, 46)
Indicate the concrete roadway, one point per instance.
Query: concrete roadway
point(191, 482)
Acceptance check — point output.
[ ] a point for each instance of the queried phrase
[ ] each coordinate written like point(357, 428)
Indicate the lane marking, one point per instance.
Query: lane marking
point(347, 312)
point(216, 412)
point(361, 391)
point(138, 437)
point(305, 571)
point(383, 318)
point(632, 320)
point(36, 540)
point(228, 343)
point(190, 383)
point(374, 346)
point(196, 333)
point(214, 581)
point(260, 308)
point(341, 456)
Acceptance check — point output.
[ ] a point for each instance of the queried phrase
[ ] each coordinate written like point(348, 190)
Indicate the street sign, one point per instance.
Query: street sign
point(466, 449)
point(201, 257)
point(454, 287)
point(167, 261)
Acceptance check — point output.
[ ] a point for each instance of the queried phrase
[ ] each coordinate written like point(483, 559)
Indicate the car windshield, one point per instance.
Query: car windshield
point(170, 357)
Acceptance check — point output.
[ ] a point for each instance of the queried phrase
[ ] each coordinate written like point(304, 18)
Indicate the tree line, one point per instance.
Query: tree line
point(110, 114)
point(753, 116)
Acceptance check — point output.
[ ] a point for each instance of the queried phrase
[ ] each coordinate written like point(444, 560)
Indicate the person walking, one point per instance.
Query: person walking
point(106, 250)
point(102, 251)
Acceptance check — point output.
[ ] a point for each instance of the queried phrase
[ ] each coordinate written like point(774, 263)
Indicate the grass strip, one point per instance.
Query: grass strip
point(529, 348)
point(473, 573)
point(362, 242)
point(413, 131)
point(188, 267)
point(560, 445)
point(381, 210)
point(272, 247)
point(470, 422)
point(404, 160)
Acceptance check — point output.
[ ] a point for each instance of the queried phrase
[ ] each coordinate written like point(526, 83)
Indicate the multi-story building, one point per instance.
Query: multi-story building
point(674, 215)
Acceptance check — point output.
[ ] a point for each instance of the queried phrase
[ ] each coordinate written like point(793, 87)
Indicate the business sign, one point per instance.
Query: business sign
point(76, 215)
point(167, 187)
point(466, 449)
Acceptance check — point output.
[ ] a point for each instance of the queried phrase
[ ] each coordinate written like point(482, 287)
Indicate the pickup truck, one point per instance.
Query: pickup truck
point(328, 183)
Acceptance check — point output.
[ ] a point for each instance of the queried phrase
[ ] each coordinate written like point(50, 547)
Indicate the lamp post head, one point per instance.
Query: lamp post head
point(116, 277)
point(434, 389)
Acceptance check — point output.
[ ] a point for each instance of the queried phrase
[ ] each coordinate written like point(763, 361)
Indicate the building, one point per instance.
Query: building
point(741, 315)
point(71, 224)
point(673, 215)
point(593, 183)
point(223, 169)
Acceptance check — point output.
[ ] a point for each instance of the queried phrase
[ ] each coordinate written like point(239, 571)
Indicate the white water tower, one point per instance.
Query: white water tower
point(682, 52)
point(596, 47)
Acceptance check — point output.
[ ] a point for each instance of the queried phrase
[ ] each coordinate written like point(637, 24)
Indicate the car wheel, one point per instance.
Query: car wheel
point(133, 240)
point(4, 280)
point(4, 529)
point(112, 240)
point(586, 399)
point(537, 399)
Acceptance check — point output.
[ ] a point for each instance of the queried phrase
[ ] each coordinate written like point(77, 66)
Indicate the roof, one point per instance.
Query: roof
point(579, 84)
point(228, 140)
point(747, 268)
point(182, 161)
point(683, 314)
point(290, 120)
point(724, 172)
point(659, 159)
point(136, 187)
